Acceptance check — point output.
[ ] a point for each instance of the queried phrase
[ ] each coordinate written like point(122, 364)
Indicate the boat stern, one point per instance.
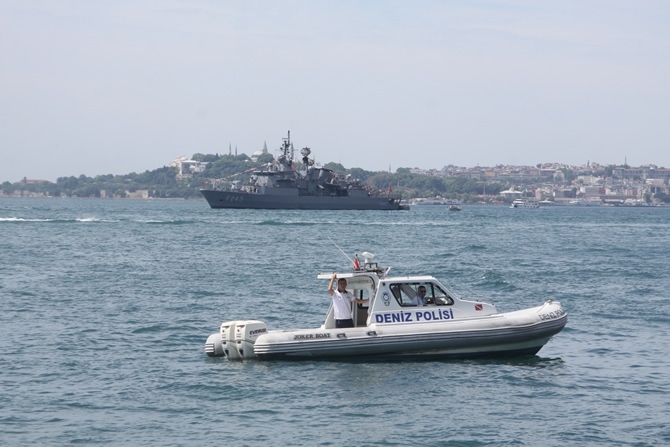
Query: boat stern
point(235, 339)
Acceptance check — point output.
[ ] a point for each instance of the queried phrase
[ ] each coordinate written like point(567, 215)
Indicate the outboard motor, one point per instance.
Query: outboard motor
point(227, 335)
point(238, 338)
point(246, 333)
point(213, 346)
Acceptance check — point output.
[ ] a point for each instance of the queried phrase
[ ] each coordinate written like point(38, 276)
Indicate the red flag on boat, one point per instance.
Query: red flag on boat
point(478, 307)
point(357, 263)
point(390, 189)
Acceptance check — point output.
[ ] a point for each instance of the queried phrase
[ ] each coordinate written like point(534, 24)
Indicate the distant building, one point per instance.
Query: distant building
point(186, 167)
point(29, 181)
point(642, 172)
point(258, 153)
point(511, 194)
point(139, 194)
point(592, 191)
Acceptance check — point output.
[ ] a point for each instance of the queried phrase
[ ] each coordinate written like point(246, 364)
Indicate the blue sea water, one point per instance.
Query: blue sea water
point(105, 306)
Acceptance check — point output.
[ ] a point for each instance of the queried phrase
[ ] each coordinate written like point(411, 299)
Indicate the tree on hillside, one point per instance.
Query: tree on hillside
point(335, 167)
point(265, 158)
point(360, 174)
point(228, 165)
point(209, 158)
point(569, 174)
point(160, 176)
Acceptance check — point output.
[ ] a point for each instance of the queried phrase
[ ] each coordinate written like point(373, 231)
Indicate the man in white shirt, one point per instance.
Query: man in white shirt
point(420, 298)
point(342, 302)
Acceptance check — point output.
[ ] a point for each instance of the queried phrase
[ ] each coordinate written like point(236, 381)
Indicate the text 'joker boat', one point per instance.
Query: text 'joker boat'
point(390, 326)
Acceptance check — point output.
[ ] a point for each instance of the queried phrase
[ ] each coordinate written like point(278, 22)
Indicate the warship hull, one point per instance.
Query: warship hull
point(289, 199)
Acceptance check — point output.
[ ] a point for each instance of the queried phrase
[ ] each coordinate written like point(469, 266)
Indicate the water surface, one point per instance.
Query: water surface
point(105, 306)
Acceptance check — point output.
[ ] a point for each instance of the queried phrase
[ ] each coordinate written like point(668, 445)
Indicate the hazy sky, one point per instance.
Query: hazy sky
point(93, 87)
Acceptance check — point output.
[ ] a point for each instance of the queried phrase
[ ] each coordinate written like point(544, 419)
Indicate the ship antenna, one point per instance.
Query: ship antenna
point(350, 260)
point(286, 145)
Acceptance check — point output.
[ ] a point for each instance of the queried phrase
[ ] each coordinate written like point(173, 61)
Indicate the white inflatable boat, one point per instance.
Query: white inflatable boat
point(389, 326)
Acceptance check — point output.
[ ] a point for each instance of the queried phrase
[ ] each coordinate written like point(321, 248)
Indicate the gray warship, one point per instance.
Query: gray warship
point(280, 186)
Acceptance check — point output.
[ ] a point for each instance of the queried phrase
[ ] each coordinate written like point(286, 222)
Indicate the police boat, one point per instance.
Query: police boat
point(392, 326)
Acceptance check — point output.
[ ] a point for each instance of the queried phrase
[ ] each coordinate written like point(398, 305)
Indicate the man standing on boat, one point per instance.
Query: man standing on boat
point(342, 302)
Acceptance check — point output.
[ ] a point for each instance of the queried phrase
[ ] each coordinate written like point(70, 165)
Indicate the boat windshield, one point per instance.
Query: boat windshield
point(406, 294)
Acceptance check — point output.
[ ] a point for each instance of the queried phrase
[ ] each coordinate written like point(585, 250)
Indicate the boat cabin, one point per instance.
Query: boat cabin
point(396, 300)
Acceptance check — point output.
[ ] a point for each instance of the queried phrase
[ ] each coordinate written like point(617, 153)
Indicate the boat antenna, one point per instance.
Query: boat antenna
point(350, 260)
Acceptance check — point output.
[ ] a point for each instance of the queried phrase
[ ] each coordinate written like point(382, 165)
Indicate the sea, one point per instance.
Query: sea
point(105, 306)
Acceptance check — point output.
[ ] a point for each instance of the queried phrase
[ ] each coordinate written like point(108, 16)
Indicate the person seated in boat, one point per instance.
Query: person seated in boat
point(342, 300)
point(420, 297)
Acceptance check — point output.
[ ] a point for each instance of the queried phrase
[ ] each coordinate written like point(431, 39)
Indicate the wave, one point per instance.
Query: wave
point(288, 222)
point(407, 223)
point(21, 219)
point(78, 219)
point(93, 220)
point(167, 222)
point(150, 329)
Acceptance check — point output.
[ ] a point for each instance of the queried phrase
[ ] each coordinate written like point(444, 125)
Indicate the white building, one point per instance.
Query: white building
point(258, 153)
point(511, 194)
point(186, 167)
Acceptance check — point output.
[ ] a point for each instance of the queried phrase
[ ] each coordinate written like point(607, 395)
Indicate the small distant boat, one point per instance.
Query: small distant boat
point(525, 203)
point(454, 208)
point(430, 201)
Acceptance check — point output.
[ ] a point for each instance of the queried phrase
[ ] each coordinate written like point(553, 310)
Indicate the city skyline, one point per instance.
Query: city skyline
point(591, 166)
point(102, 88)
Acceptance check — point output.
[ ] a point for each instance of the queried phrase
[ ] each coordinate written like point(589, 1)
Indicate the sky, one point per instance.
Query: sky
point(101, 87)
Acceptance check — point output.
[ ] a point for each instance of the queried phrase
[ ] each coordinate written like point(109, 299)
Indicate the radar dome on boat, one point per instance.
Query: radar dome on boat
point(368, 256)
point(305, 151)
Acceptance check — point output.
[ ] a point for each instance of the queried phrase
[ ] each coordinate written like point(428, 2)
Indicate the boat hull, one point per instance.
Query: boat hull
point(492, 338)
point(292, 201)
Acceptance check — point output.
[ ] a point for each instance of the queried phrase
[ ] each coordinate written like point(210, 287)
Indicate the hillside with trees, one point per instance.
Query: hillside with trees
point(165, 183)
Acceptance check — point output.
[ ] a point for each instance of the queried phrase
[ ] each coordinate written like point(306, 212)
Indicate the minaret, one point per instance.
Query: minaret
point(265, 147)
point(236, 150)
point(230, 149)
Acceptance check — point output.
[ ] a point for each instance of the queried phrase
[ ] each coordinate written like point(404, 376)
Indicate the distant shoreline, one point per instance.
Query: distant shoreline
point(2, 196)
point(196, 199)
